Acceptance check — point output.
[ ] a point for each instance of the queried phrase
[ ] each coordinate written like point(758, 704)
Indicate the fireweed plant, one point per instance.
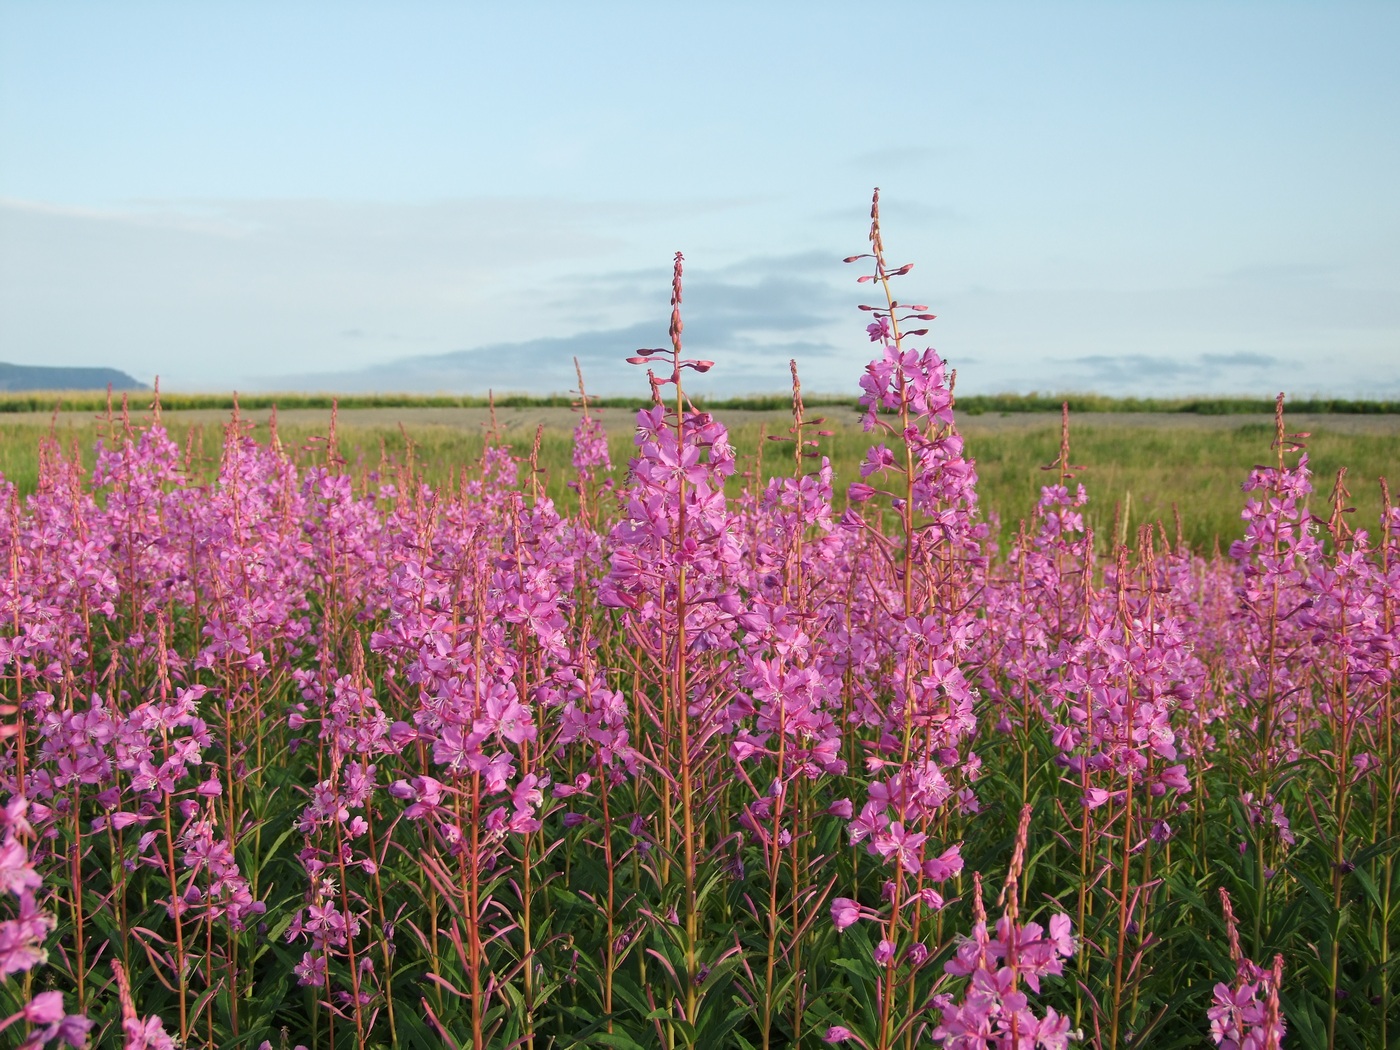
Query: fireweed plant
point(729, 755)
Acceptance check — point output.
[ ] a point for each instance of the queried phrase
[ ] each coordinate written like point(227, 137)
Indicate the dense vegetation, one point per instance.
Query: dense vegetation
point(308, 752)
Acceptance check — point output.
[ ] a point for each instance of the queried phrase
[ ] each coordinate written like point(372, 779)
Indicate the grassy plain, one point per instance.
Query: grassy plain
point(1137, 466)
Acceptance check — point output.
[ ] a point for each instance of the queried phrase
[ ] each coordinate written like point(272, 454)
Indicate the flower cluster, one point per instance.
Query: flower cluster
point(995, 1011)
point(1245, 1014)
point(22, 937)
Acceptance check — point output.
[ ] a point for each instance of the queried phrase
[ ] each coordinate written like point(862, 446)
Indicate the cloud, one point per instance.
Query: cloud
point(1103, 368)
point(1183, 374)
point(1242, 359)
point(751, 329)
point(897, 157)
point(535, 365)
point(169, 216)
point(750, 316)
point(1275, 274)
point(897, 212)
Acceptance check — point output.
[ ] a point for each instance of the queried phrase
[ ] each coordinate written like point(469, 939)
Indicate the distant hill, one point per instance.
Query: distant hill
point(41, 377)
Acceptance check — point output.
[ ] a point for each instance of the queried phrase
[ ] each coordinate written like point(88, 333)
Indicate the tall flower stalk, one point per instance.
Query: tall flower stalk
point(671, 559)
point(921, 764)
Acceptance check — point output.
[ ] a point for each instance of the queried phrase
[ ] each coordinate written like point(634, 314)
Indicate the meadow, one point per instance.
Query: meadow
point(914, 732)
point(1159, 465)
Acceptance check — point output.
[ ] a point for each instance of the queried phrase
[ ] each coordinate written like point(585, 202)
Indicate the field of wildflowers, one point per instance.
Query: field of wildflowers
point(293, 760)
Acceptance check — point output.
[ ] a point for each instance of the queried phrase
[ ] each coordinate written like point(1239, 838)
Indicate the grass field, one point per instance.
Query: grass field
point(1137, 466)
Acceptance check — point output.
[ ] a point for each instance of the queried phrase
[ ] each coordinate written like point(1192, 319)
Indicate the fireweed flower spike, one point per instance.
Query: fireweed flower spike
point(922, 763)
point(672, 562)
point(591, 463)
point(994, 1011)
point(1245, 1013)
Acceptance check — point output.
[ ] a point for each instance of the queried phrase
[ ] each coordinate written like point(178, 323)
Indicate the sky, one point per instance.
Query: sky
point(1130, 198)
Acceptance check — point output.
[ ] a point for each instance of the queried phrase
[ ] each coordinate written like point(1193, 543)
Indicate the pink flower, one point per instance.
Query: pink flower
point(944, 866)
point(844, 912)
point(931, 898)
point(311, 971)
point(859, 492)
point(45, 1008)
point(870, 821)
point(1053, 1032)
point(146, 1035)
point(901, 845)
point(16, 875)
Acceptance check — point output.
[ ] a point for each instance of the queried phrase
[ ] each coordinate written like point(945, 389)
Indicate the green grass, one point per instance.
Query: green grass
point(1197, 470)
point(1143, 470)
point(972, 405)
point(1080, 404)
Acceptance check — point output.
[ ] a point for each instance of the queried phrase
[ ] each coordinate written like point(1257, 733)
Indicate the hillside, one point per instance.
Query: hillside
point(17, 378)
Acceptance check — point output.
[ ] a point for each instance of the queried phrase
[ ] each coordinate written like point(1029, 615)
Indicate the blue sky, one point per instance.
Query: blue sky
point(1126, 197)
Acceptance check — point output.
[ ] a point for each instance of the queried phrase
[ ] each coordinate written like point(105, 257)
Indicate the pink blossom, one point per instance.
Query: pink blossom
point(844, 912)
